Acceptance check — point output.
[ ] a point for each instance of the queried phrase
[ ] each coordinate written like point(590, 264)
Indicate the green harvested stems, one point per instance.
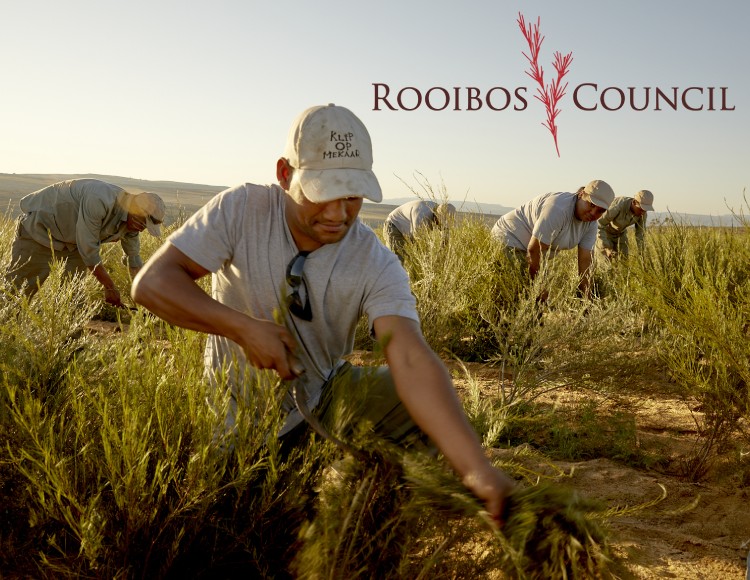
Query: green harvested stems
point(373, 516)
point(553, 532)
point(550, 531)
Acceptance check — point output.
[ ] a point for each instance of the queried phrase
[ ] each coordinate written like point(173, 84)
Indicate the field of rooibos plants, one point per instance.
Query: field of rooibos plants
point(624, 420)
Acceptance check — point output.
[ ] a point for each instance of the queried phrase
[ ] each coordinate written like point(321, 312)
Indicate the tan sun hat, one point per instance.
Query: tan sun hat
point(600, 193)
point(331, 152)
point(645, 199)
point(150, 206)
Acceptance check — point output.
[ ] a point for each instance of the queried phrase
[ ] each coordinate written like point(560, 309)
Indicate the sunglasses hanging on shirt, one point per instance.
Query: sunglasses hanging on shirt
point(295, 281)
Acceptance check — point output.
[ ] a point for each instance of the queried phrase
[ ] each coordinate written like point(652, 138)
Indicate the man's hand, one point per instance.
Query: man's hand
point(268, 345)
point(111, 293)
point(492, 486)
point(167, 286)
point(112, 296)
point(424, 386)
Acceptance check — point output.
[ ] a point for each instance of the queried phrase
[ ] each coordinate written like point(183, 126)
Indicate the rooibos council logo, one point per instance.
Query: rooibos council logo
point(586, 96)
point(550, 94)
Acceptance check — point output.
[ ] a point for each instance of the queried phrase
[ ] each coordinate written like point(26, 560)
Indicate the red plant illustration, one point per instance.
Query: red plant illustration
point(549, 95)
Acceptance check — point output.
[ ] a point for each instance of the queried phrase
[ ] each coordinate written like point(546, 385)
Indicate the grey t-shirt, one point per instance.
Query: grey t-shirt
point(242, 237)
point(409, 216)
point(550, 218)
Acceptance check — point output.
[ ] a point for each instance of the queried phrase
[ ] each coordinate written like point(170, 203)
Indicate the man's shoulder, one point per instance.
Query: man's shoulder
point(562, 196)
point(238, 205)
point(554, 202)
point(247, 194)
point(251, 189)
point(363, 247)
point(621, 200)
point(416, 205)
point(92, 187)
point(552, 198)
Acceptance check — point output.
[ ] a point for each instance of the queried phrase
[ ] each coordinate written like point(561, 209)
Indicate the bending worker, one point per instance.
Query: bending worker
point(623, 213)
point(402, 223)
point(298, 247)
point(69, 220)
point(556, 221)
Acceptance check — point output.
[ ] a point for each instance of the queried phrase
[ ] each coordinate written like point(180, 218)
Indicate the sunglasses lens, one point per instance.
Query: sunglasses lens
point(295, 281)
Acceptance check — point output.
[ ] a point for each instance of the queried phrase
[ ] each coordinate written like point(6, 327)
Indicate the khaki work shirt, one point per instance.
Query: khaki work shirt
point(82, 214)
point(619, 216)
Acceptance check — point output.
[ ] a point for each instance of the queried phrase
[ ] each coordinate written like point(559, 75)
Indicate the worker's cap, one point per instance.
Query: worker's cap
point(150, 206)
point(645, 199)
point(600, 193)
point(331, 152)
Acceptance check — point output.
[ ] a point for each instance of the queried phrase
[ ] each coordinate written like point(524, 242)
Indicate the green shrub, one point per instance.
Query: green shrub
point(460, 288)
point(111, 466)
point(699, 292)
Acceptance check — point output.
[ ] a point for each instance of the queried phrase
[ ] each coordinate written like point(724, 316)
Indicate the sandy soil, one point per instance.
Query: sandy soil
point(698, 531)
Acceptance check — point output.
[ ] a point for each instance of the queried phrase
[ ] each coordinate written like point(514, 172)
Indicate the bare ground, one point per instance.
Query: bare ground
point(699, 530)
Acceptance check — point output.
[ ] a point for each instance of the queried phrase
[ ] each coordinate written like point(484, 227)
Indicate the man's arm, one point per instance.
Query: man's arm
point(534, 255)
point(608, 216)
point(584, 270)
point(131, 246)
point(91, 217)
point(640, 233)
point(167, 286)
point(425, 387)
point(111, 293)
point(534, 258)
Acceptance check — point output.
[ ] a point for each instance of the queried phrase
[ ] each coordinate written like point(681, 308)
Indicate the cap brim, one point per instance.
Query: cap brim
point(646, 207)
point(599, 203)
point(153, 229)
point(324, 185)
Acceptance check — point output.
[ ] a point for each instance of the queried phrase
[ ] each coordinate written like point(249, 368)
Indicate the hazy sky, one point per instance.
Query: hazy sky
point(205, 91)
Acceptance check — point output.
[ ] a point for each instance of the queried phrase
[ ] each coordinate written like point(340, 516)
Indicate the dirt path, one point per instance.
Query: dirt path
point(697, 531)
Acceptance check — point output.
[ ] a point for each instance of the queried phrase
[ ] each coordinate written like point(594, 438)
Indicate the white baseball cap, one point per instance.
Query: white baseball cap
point(331, 152)
point(645, 199)
point(150, 206)
point(600, 193)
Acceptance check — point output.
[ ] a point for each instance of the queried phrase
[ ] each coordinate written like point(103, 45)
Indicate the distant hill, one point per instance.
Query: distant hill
point(489, 210)
point(178, 196)
point(183, 199)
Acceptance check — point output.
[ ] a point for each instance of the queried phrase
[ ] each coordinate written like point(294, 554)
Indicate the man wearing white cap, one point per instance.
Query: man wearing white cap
point(556, 221)
point(69, 221)
point(403, 222)
point(623, 213)
point(299, 248)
